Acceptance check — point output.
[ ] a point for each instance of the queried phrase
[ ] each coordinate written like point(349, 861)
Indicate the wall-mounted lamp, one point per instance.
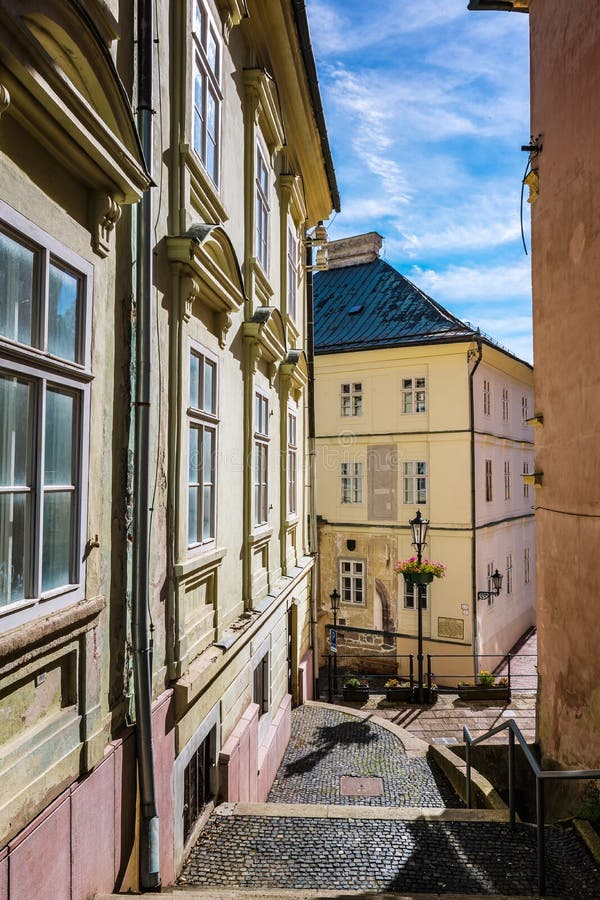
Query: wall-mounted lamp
point(496, 580)
point(317, 240)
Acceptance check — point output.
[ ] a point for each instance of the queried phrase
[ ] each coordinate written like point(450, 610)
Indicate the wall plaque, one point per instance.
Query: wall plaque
point(451, 628)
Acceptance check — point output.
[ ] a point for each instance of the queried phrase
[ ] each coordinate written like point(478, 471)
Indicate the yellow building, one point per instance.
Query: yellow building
point(416, 410)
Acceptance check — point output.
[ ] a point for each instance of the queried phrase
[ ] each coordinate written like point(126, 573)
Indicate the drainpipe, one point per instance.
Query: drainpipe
point(479, 354)
point(312, 469)
point(141, 644)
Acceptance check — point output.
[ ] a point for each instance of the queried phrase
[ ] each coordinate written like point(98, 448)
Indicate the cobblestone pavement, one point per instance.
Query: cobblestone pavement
point(417, 856)
point(327, 744)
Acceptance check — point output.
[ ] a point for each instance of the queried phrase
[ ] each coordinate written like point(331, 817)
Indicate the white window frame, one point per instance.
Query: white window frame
point(351, 399)
point(292, 273)
point(44, 371)
point(489, 484)
point(411, 592)
point(351, 482)
point(487, 397)
point(353, 581)
point(292, 462)
point(524, 408)
point(262, 208)
point(507, 479)
point(509, 579)
point(210, 78)
point(203, 421)
point(414, 395)
point(414, 482)
point(525, 484)
point(526, 566)
point(505, 404)
point(261, 414)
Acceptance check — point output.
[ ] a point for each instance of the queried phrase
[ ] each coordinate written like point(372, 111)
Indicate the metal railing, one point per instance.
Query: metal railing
point(341, 666)
point(541, 776)
point(515, 681)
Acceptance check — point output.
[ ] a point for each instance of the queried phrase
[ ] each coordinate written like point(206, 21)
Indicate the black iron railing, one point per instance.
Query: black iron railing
point(501, 667)
point(541, 776)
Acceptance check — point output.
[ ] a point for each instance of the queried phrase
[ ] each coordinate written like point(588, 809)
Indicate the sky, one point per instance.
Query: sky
point(427, 106)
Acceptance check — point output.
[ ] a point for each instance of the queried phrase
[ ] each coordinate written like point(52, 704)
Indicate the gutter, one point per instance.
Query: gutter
point(473, 503)
point(313, 544)
point(140, 602)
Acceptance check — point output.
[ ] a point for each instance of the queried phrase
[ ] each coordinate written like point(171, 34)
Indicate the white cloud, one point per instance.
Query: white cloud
point(483, 283)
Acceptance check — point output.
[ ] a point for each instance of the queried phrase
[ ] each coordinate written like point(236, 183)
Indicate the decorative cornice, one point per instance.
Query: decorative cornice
point(292, 197)
point(232, 12)
point(265, 336)
point(293, 371)
point(262, 90)
point(4, 99)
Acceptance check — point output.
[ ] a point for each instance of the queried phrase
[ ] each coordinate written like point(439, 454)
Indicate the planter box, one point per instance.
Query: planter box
point(479, 692)
point(398, 693)
point(418, 577)
point(356, 694)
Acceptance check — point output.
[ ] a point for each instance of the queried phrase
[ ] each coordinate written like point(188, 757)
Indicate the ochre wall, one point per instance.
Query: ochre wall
point(565, 86)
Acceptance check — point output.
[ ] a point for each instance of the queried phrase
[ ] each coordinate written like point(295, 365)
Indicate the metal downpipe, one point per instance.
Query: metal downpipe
point(142, 645)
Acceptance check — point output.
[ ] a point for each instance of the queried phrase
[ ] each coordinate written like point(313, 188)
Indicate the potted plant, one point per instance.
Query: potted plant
point(488, 687)
point(397, 690)
point(415, 572)
point(355, 689)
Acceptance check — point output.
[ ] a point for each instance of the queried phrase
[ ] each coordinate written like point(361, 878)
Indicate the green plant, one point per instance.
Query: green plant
point(486, 678)
point(426, 567)
point(395, 683)
point(502, 682)
point(355, 683)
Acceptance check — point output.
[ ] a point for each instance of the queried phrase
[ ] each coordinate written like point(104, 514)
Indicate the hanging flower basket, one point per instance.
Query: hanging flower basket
point(423, 572)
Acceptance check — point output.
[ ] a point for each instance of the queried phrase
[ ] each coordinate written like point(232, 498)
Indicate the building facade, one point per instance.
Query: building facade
point(415, 410)
point(234, 169)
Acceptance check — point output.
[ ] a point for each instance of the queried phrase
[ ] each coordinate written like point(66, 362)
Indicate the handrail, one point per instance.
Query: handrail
point(541, 775)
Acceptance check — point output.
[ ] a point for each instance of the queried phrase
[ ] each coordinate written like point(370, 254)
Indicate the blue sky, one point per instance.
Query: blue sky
point(427, 106)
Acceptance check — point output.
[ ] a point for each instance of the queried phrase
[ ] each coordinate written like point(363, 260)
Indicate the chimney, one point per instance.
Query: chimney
point(352, 251)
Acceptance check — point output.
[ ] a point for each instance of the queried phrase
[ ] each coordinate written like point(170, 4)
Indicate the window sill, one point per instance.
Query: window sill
point(264, 291)
point(291, 522)
point(207, 559)
point(204, 194)
point(261, 536)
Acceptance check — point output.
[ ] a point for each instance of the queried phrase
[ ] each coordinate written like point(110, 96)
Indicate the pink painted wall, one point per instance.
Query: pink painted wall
point(84, 842)
point(306, 678)
point(565, 87)
point(246, 769)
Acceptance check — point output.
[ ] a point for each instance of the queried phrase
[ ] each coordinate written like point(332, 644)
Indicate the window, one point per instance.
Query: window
point(414, 395)
point(490, 584)
point(196, 785)
point(486, 398)
point(202, 448)
point(292, 464)
point(415, 482)
point(352, 581)
point(44, 414)
point(262, 210)
point(207, 91)
point(508, 573)
point(488, 480)
point(526, 572)
point(292, 269)
point(351, 399)
point(506, 480)
point(352, 478)
point(525, 485)
point(524, 408)
point(505, 405)
point(261, 458)
point(411, 592)
point(260, 685)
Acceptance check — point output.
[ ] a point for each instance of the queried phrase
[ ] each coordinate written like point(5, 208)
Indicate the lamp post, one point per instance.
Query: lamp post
point(496, 580)
point(335, 607)
point(419, 527)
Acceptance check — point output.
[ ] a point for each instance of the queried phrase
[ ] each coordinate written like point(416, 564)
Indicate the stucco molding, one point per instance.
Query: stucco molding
point(204, 195)
point(105, 213)
point(261, 92)
point(4, 99)
point(27, 642)
point(293, 372)
point(292, 197)
point(232, 12)
point(265, 335)
point(65, 90)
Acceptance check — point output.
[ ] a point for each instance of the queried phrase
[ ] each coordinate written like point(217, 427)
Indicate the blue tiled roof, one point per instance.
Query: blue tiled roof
point(372, 305)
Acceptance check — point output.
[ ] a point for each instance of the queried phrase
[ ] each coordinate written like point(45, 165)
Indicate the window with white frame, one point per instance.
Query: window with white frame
point(352, 581)
point(202, 447)
point(45, 293)
point(525, 485)
point(524, 408)
point(487, 404)
point(488, 480)
point(526, 572)
point(261, 459)
point(506, 479)
point(262, 210)
point(292, 272)
point(351, 399)
point(411, 593)
point(208, 96)
point(505, 404)
point(260, 685)
point(352, 482)
point(414, 395)
point(292, 473)
point(490, 584)
point(414, 482)
point(508, 573)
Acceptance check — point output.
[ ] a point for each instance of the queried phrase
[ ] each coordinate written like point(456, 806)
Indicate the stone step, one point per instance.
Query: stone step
point(356, 811)
point(218, 894)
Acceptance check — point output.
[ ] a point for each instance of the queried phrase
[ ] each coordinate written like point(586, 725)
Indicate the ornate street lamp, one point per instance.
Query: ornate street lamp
point(496, 580)
point(335, 599)
point(419, 527)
